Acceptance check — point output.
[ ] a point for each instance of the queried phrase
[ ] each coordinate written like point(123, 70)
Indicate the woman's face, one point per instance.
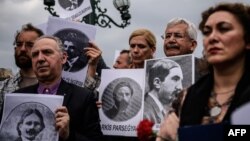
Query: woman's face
point(140, 49)
point(223, 38)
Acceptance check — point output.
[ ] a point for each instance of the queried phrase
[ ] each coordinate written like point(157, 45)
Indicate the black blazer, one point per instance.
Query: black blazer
point(83, 112)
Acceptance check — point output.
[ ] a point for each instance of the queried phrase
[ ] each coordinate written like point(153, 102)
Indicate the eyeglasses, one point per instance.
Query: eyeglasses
point(177, 36)
point(26, 44)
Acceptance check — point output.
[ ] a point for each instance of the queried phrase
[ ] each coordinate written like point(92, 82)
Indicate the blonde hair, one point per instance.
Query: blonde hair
point(148, 35)
point(5, 73)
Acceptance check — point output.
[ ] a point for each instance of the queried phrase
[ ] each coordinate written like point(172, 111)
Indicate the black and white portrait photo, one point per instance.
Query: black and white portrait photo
point(72, 10)
point(29, 117)
point(165, 78)
point(70, 5)
point(29, 121)
point(121, 99)
point(75, 37)
point(121, 94)
point(74, 42)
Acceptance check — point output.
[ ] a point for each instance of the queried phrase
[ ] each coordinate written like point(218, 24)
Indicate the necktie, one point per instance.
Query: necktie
point(46, 91)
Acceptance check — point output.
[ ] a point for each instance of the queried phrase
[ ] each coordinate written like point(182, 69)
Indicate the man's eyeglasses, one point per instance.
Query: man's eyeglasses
point(26, 44)
point(176, 36)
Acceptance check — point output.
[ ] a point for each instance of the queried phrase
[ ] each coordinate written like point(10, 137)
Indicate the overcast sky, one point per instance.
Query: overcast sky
point(151, 14)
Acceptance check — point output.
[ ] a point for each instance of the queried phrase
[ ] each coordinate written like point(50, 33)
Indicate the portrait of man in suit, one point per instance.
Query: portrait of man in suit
point(74, 42)
point(30, 125)
point(165, 82)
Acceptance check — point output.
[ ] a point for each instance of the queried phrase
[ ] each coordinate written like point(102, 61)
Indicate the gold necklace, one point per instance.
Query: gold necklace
point(226, 92)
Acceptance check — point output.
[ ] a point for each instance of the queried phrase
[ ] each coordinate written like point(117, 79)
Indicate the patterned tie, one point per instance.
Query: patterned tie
point(46, 91)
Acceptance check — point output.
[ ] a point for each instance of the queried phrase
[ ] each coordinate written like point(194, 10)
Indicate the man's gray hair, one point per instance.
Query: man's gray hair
point(191, 30)
point(57, 40)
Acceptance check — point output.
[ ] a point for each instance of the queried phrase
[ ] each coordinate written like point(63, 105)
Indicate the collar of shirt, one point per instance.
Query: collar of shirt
point(52, 88)
point(158, 103)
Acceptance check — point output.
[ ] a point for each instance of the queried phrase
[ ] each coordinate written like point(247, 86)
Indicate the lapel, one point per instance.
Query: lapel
point(155, 107)
point(33, 89)
point(65, 90)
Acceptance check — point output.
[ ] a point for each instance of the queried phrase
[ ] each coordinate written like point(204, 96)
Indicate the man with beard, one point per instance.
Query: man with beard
point(122, 95)
point(23, 43)
point(165, 82)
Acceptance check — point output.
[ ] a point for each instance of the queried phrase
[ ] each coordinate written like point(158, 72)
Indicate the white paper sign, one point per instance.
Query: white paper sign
point(75, 37)
point(164, 80)
point(241, 115)
point(121, 93)
point(29, 116)
point(72, 9)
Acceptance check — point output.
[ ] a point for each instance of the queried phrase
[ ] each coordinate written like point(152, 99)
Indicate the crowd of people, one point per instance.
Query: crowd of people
point(221, 75)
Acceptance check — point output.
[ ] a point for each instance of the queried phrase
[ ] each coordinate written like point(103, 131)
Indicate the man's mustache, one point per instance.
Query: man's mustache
point(173, 46)
point(174, 95)
point(31, 131)
point(22, 54)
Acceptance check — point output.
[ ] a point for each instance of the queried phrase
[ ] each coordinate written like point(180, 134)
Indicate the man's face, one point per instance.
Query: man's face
point(23, 47)
point(122, 61)
point(140, 50)
point(30, 127)
point(124, 93)
point(177, 42)
point(123, 97)
point(47, 60)
point(171, 86)
point(71, 49)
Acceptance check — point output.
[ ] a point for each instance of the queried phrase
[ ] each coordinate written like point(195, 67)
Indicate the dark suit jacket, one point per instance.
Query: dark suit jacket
point(19, 139)
point(83, 112)
point(76, 66)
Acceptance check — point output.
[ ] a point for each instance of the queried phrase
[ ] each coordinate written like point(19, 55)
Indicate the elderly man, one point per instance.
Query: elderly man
point(78, 118)
point(179, 39)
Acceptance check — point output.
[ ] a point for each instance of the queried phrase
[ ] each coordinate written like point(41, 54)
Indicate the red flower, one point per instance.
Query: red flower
point(144, 130)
